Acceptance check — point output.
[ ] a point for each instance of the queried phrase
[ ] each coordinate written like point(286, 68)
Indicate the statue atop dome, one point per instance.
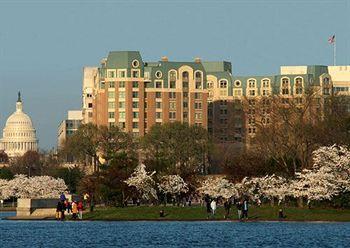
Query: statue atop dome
point(19, 97)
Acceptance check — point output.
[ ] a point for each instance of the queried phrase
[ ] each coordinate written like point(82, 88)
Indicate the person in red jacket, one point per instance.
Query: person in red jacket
point(80, 210)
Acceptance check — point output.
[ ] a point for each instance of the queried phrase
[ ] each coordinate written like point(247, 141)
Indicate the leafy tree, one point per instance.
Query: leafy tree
point(29, 164)
point(71, 177)
point(84, 144)
point(5, 173)
point(176, 148)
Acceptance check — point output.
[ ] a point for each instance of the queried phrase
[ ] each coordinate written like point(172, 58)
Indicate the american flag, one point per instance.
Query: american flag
point(331, 39)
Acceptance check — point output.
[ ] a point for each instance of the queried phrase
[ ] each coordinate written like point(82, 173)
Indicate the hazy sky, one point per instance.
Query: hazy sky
point(44, 45)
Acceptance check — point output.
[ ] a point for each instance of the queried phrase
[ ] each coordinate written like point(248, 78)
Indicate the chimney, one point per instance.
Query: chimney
point(197, 60)
point(165, 59)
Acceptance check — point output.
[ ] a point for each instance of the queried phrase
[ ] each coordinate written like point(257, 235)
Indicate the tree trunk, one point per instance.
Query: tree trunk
point(300, 202)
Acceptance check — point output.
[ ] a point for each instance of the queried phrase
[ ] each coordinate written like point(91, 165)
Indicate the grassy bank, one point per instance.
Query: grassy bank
point(199, 213)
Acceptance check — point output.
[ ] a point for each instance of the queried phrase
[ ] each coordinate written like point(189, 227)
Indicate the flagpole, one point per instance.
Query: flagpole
point(334, 51)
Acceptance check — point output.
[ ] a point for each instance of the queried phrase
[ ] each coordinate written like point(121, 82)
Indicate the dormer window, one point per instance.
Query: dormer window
point(223, 83)
point(285, 86)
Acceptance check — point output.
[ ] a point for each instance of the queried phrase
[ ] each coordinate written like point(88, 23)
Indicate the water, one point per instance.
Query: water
point(172, 234)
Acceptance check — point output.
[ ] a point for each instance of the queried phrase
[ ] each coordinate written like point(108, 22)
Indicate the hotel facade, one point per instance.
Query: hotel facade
point(133, 94)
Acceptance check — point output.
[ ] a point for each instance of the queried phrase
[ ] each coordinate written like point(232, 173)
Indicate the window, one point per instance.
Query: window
point(121, 125)
point(299, 100)
point(285, 86)
point(135, 94)
point(135, 114)
point(121, 105)
point(122, 84)
point(251, 92)
point(158, 95)
point(158, 115)
point(111, 105)
point(223, 83)
point(197, 95)
point(265, 83)
point(111, 74)
point(185, 104)
point(210, 84)
point(185, 76)
point(158, 105)
point(172, 76)
point(172, 115)
point(111, 95)
point(111, 115)
point(198, 79)
point(298, 86)
point(122, 74)
point(326, 91)
point(158, 84)
point(135, 84)
point(238, 83)
point(185, 94)
point(172, 95)
point(135, 125)
point(252, 83)
point(185, 115)
point(122, 115)
point(135, 74)
point(135, 104)
point(121, 94)
point(326, 80)
point(197, 105)
point(145, 104)
point(159, 74)
point(90, 105)
point(172, 79)
point(237, 92)
point(135, 63)
point(102, 85)
point(172, 105)
point(198, 116)
point(111, 85)
point(265, 92)
point(172, 85)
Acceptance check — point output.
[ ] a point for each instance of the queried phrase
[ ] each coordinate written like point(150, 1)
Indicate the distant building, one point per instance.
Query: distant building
point(127, 92)
point(19, 135)
point(90, 75)
point(69, 126)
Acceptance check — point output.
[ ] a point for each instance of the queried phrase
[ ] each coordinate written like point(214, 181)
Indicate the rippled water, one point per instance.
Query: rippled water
point(172, 234)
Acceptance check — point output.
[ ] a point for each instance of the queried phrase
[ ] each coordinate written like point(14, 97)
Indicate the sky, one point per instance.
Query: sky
point(45, 44)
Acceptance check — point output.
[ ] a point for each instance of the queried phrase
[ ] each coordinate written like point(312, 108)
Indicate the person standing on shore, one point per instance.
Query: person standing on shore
point(239, 209)
point(74, 210)
point(80, 210)
point(207, 204)
point(245, 209)
point(213, 207)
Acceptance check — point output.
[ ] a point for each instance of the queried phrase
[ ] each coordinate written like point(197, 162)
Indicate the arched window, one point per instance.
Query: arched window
point(266, 83)
point(285, 86)
point(198, 79)
point(185, 79)
point(298, 86)
point(252, 87)
point(223, 83)
point(326, 80)
point(172, 79)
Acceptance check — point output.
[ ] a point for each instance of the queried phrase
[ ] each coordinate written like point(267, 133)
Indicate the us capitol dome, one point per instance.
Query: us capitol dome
point(19, 135)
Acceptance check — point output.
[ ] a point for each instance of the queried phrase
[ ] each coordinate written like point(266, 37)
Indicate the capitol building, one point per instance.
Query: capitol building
point(19, 135)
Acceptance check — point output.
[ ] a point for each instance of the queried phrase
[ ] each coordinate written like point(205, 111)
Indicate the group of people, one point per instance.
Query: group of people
point(65, 207)
point(241, 205)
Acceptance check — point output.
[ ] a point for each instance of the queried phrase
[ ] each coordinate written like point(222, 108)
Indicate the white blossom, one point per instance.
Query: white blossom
point(143, 182)
point(173, 184)
point(33, 187)
point(218, 187)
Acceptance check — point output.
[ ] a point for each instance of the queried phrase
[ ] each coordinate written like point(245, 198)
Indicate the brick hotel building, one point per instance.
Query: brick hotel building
point(133, 94)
